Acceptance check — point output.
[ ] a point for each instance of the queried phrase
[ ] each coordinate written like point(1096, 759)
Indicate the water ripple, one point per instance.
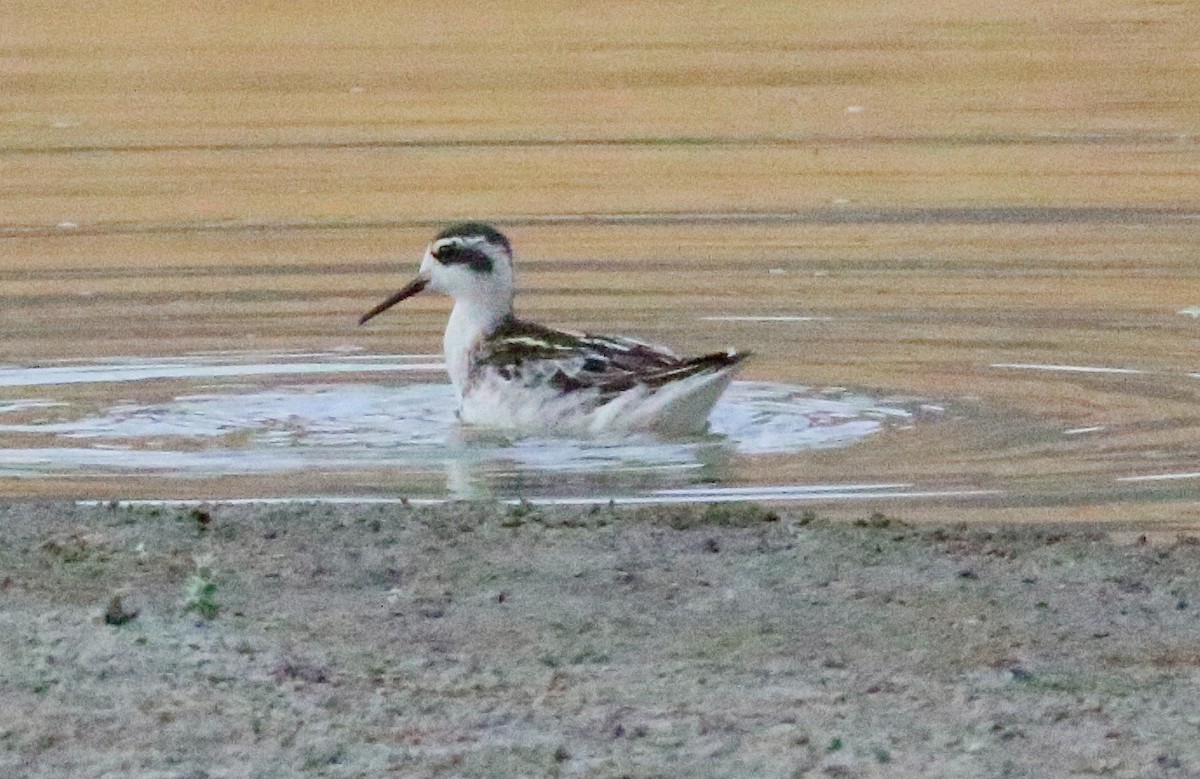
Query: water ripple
point(359, 424)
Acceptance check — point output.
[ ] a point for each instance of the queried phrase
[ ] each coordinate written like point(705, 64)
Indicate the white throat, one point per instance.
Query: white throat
point(472, 319)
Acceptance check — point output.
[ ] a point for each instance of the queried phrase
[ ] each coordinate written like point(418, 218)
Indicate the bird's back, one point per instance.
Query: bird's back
point(526, 375)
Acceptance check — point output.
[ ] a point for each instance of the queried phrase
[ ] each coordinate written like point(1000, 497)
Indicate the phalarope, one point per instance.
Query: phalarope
point(514, 374)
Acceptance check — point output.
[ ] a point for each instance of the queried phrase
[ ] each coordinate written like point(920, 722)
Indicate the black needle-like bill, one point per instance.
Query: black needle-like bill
point(412, 288)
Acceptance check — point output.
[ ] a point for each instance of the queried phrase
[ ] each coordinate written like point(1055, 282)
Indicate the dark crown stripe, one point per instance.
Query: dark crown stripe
point(474, 230)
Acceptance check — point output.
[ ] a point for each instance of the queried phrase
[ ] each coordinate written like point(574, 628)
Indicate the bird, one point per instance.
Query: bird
point(518, 375)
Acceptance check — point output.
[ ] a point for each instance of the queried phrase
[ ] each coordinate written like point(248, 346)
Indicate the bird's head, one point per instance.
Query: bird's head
point(469, 261)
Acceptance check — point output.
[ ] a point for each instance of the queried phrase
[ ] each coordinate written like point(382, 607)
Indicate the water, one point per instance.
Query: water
point(957, 361)
point(389, 417)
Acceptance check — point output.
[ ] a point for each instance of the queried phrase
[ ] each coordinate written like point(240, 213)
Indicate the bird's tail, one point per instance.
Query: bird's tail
point(717, 362)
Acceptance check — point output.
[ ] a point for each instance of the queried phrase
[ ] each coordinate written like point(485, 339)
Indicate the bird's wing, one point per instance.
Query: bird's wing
point(571, 362)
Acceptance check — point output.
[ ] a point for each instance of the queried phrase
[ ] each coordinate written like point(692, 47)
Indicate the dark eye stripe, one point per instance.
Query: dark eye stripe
point(457, 254)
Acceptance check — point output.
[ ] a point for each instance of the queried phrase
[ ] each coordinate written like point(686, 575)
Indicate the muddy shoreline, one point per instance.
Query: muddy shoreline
point(487, 640)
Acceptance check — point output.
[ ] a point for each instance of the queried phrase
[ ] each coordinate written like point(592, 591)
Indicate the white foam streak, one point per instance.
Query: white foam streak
point(1160, 477)
point(788, 489)
point(766, 319)
point(1029, 366)
point(38, 376)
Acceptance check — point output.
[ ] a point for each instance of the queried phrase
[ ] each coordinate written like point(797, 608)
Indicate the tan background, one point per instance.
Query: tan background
point(954, 184)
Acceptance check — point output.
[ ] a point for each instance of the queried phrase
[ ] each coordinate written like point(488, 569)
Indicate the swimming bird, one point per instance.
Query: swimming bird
point(514, 374)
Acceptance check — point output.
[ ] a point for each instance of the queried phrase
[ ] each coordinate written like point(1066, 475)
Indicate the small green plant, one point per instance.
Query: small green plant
point(877, 520)
point(199, 591)
point(519, 513)
point(716, 514)
point(737, 514)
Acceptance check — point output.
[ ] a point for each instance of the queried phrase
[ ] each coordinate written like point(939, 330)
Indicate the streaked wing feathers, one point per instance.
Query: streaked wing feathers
point(571, 362)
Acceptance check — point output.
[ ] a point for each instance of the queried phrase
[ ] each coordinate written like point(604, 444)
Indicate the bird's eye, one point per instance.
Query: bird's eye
point(445, 252)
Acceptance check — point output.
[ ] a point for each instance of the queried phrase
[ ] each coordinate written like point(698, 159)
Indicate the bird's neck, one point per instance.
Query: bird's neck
point(471, 321)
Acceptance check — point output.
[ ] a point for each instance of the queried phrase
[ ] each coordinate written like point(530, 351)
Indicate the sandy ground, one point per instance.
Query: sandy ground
point(483, 640)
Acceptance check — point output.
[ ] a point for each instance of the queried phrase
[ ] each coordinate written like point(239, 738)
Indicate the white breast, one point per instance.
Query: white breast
point(468, 324)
